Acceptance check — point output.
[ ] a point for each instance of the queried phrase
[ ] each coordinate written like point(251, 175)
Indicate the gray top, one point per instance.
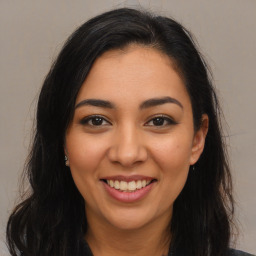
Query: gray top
point(239, 253)
point(232, 252)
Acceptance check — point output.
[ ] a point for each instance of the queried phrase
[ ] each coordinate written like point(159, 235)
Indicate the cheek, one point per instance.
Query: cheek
point(85, 152)
point(172, 152)
point(85, 155)
point(172, 155)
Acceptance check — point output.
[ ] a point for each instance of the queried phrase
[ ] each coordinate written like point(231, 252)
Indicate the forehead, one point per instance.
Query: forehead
point(136, 72)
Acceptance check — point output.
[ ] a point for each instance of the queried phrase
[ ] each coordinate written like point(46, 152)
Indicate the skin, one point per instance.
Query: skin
point(128, 142)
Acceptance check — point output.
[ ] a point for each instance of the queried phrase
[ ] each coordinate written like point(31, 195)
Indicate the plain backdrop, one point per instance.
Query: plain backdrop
point(32, 33)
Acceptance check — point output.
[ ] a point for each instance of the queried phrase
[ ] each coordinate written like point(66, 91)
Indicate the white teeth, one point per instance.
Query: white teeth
point(116, 184)
point(132, 186)
point(123, 185)
point(139, 186)
point(111, 183)
point(128, 186)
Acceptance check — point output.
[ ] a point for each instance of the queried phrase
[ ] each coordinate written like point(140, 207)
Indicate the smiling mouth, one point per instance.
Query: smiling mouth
point(131, 186)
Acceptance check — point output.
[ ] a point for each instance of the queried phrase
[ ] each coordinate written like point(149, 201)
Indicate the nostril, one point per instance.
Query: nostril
point(127, 153)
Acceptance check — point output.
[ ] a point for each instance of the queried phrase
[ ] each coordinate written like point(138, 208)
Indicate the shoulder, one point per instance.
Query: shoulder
point(233, 252)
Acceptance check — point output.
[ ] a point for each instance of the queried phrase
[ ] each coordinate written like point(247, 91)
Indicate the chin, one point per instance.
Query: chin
point(130, 219)
point(128, 223)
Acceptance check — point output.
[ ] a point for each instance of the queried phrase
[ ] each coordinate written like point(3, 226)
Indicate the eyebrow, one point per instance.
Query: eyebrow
point(146, 104)
point(159, 101)
point(96, 103)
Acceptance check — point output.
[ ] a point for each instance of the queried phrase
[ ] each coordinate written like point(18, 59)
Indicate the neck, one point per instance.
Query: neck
point(151, 239)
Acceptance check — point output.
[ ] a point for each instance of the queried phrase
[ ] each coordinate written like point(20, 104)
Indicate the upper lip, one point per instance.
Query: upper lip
point(128, 178)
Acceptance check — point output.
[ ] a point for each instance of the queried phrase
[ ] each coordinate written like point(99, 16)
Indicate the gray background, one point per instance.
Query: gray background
point(32, 33)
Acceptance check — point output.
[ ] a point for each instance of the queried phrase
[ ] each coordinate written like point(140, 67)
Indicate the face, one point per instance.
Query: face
point(131, 141)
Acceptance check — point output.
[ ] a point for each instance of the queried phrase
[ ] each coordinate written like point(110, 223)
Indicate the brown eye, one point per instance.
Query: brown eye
point(160, 121)
point(94, 121)
point(97, 121)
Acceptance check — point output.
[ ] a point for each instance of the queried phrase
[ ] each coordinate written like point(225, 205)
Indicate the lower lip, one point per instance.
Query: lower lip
point(128, 197)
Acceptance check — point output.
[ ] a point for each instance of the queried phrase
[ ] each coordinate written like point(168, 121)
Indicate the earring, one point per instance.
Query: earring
point(66, 161)
point(193, 167)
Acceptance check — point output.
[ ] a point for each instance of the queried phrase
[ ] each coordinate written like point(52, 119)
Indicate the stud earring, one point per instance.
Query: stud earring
point(66, 161)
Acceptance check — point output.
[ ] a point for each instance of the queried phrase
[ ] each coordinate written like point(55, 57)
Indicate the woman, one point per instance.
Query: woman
point(128, 157)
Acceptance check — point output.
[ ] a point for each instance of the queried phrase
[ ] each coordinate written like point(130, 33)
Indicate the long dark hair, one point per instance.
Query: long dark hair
point(51, 220)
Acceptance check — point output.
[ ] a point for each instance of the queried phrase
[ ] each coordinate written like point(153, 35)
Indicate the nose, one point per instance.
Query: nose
point(127, 148)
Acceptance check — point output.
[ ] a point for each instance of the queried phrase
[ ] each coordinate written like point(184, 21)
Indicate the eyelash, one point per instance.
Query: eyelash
point(88, 121)
point(164, 118)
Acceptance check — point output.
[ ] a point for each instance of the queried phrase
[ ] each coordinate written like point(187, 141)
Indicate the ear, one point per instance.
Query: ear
point(65, 146)
point(65, 149)
point(66, 156)
point(199, 140)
